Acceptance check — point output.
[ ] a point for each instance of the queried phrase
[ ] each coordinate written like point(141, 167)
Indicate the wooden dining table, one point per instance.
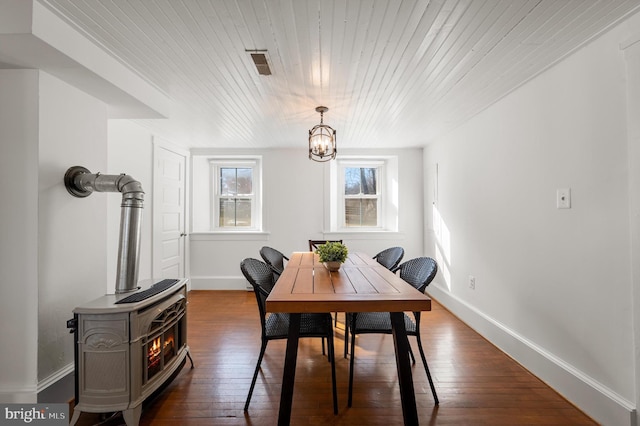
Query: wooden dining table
point(361, 285)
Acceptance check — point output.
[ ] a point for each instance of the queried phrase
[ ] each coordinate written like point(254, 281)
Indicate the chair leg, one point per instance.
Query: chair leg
point(413, 359)
point(426, 368)
point(323, 347)
point(255, 374)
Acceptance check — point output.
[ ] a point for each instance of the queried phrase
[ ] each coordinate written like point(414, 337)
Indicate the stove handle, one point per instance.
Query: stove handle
point(72, 324)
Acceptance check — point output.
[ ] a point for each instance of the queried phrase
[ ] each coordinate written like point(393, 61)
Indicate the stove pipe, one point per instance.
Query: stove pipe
point(80, 182)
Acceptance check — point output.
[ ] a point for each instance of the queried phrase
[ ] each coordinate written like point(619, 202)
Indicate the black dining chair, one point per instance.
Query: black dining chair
point(276, 325)
point(275, 259)
point(418, 272)
point(313, 244)
point(390, 258)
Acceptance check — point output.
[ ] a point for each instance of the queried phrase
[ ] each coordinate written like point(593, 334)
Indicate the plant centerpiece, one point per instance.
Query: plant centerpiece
point(332, 254)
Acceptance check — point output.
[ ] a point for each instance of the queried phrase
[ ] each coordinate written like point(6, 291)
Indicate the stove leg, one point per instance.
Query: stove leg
point(132, 415)
point(190, 359)
point(76, 416)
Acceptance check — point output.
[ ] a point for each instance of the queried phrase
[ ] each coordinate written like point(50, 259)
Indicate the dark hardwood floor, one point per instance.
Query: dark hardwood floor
point(477, 384)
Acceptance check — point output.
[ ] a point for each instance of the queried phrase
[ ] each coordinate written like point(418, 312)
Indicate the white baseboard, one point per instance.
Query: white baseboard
point(55, 377)
point(219, 283)
point(25, 395)
point(29, 394)
point(596, 400)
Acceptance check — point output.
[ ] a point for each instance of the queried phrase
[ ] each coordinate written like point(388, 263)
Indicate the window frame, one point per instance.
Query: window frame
point(253, 163)
point(386, 194)
point(342, 206)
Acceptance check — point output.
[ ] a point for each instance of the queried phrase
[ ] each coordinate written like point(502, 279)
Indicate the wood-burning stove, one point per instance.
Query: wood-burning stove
point(126, 351)
point(127, 344)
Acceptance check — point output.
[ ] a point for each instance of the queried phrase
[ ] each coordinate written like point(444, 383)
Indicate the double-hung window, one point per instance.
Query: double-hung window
point(362, 194)
point(236, 194)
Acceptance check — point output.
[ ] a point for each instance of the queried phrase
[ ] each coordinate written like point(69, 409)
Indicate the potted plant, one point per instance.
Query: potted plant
point(332, 254)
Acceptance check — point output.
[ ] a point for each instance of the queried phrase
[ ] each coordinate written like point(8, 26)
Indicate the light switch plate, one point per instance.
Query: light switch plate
point(563, 198)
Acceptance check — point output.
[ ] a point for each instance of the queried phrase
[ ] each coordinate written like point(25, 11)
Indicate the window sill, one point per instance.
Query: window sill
point(230, 236)
point(365, 234)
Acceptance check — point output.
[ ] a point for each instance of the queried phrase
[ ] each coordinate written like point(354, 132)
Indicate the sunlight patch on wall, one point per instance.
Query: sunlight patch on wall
point(443, 245)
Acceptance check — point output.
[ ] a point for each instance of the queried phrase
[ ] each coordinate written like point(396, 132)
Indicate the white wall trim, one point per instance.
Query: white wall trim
point(596, 400)
point(364, 235)
point(68, 369)
point(22, 395)
point(29, 394)
point(219, 283)
point(230, 236)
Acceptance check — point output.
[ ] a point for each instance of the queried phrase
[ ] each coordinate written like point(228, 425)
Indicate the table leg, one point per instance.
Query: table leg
point(405, 377)
point(288, 378)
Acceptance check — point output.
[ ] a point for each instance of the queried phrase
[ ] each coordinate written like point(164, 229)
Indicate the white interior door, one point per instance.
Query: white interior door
point(169, 196)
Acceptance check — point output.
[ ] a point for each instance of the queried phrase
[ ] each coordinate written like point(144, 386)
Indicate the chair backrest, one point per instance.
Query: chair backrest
point(390, 258)
point(260, 277)
point(274, 258)
point(419, 272)
point(313, 244)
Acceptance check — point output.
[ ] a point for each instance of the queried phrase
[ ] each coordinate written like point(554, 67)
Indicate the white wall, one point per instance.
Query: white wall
point(632, 57)
point(294, 199)
point(19, 230)
point(53, 245)
point(553, 287)
point(71, 243)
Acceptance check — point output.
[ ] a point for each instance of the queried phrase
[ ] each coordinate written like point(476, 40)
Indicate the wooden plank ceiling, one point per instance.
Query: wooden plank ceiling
point(393, 73)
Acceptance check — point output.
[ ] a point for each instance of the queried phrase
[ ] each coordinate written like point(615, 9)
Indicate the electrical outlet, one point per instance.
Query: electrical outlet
point(563, 198)
point(472, 282)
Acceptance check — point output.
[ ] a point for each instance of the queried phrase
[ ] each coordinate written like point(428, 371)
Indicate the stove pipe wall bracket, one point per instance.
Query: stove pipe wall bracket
point(81, 183)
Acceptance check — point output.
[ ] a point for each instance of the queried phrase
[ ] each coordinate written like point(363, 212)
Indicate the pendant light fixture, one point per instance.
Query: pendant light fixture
point(322, 140)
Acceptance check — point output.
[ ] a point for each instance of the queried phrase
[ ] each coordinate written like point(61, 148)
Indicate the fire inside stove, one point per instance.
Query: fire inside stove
point(161, 351)
point(163, 341)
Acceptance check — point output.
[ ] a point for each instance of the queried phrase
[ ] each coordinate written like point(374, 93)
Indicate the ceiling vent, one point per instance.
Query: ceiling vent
point(260, 60)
